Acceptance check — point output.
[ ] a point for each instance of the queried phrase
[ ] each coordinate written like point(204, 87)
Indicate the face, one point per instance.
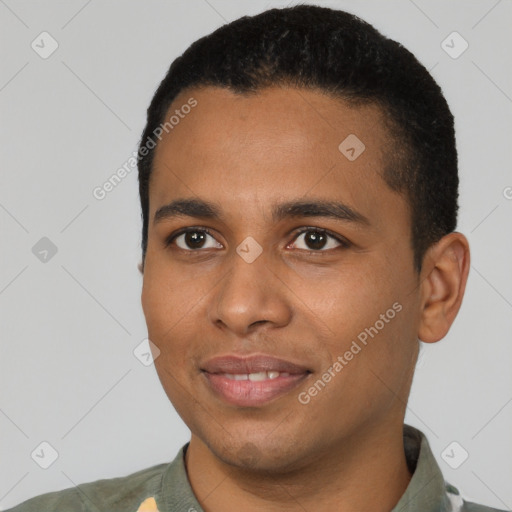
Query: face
point(273, 252)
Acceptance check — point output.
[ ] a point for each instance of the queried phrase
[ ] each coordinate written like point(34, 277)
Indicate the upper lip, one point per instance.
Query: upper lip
point(233, 364)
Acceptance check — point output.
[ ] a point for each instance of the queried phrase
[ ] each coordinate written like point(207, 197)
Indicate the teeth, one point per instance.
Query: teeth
point(258, 376)
point(255, 377)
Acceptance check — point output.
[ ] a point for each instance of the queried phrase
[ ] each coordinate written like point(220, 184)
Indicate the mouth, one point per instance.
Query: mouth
point(252, 381)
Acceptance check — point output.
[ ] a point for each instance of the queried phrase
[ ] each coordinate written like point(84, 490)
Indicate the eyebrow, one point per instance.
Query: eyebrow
point(207, 210)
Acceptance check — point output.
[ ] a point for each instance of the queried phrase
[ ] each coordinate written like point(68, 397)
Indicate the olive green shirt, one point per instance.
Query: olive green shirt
point(168, 485)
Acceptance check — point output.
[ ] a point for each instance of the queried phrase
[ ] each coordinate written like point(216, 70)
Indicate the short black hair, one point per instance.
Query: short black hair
point(337, 53)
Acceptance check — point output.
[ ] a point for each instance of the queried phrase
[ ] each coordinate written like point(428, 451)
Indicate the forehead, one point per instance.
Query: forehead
point(277, 142)
point(285, 118)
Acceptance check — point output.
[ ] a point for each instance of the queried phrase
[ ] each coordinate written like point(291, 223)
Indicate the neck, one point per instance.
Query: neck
point(368, 471)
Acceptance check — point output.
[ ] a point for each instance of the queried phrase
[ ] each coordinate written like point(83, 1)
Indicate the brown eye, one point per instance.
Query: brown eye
point(314, 239)
point(193, 239)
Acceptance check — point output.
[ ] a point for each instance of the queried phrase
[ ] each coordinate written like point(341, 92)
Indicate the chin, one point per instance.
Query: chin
point(259, 455)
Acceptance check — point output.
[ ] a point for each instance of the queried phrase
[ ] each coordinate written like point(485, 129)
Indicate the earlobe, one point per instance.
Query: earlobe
point(446, 268)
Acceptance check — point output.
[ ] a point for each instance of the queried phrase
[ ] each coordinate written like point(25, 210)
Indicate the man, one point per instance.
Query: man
point(298, 183)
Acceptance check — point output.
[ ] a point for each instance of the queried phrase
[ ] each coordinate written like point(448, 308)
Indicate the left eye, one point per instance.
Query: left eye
point(318, 240)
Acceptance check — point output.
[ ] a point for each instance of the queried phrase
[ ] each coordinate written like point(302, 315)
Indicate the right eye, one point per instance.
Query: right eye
point(192, 239)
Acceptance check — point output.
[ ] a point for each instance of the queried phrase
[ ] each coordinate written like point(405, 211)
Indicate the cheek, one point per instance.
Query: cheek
point(167, 301)
point(374, 358)
point(175, 307)
point(367, 318)
point(347, 300)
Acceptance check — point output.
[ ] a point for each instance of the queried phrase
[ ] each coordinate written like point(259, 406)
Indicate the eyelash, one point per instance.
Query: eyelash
point(344, 244)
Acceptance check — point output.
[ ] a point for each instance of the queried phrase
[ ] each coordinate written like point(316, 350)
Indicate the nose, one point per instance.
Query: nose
point(250, 295)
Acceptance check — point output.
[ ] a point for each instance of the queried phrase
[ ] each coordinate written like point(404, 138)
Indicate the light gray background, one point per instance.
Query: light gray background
point(69, 326)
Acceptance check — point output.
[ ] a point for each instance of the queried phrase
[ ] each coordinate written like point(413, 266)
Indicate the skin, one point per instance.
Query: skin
point(344, 449)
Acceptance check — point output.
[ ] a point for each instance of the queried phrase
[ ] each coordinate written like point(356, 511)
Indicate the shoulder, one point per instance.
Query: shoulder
point(458, 504)
point(114, 494)
point(68, 499)
point(474, 507)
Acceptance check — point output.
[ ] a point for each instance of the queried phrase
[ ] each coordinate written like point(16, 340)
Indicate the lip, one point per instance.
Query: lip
point(247, 393)
point(251, 364)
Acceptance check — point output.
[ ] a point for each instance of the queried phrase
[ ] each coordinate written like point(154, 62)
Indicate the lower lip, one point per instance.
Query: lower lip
point(248, 393)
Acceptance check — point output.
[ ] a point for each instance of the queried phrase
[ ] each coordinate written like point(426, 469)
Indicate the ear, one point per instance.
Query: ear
point(140, 266)
point(443, 282)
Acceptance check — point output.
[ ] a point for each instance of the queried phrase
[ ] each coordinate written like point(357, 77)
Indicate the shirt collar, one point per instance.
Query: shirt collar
point(177, 492)
point(427, 489)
